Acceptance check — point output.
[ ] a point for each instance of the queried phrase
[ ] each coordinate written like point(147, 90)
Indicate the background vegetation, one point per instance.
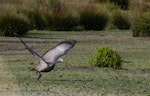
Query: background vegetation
point(66, 15)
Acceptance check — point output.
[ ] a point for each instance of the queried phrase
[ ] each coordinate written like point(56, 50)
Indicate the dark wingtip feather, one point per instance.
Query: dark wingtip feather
point(71, 41)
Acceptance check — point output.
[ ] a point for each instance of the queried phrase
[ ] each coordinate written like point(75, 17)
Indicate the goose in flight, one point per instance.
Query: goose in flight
point(51, 57)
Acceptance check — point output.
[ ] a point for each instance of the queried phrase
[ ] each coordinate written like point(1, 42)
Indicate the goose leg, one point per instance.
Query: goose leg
point(39, 75)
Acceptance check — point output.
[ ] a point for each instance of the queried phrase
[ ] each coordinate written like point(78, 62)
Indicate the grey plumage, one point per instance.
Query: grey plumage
point(51, 57)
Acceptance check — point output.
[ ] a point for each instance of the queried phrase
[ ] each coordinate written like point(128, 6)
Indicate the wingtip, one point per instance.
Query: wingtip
point(72, 41)
point(69, 41)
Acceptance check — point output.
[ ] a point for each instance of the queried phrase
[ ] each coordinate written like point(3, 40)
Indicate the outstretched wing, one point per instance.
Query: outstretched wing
point(34, 53)
point(61, 49)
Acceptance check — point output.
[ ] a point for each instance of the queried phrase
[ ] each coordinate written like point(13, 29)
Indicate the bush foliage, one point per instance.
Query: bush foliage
point(36, 19)
point(105, 57)
point(11, 23)
point(61, 15)
point(93, 19)
point(121, 20)
point(62, 22)
point(124, 4)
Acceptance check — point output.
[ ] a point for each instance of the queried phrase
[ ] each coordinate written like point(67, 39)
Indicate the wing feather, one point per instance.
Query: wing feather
point(52, 56)
point(34, 53)
point(61, 49)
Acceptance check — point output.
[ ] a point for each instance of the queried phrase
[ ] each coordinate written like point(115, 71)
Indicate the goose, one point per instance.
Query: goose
point(48, 60)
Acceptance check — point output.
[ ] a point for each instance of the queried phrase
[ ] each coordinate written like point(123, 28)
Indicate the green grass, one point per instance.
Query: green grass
point(75, 76)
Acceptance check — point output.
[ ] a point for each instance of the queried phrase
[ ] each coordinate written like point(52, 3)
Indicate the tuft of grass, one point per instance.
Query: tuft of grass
point(139, 6)
point(123, 4)
point(13, 23)
point(141, 25)
point(92, 18)
point(120, 19)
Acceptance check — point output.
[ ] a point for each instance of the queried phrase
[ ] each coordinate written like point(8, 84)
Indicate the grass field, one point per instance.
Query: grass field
point(75, 77)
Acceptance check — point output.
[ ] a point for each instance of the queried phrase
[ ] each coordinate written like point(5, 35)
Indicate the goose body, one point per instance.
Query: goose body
point(48, 60)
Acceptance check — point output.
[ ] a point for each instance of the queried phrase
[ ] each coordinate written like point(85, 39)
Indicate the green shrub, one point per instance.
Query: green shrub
point(123, 4)
point(13, 23)
point(121, 20)
point(141, 25)
point(92, 19)
point(105, 57)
